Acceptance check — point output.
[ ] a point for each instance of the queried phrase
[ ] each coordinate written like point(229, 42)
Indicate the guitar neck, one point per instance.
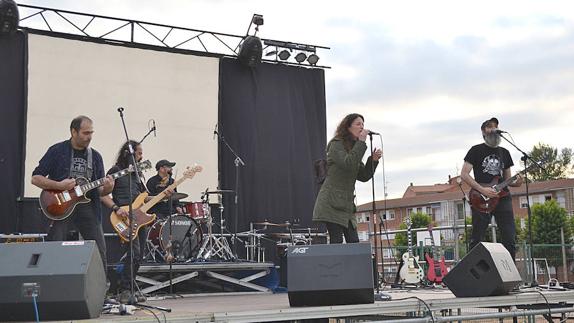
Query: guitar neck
point(99, 182)
point(499, 187)
point(409, 239)
point(433, 247)
point(156, 199)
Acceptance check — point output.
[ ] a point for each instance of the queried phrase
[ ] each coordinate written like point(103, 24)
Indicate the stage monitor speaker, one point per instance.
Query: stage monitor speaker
point(334, 274)
point(487, 270)
point(67, 277)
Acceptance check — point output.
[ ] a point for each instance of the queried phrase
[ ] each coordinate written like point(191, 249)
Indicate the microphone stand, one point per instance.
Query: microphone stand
point(238, 161)
point(525, 157)
point(147, 134)
point(379, 296)
point(132, 299)
point(465, 201)
point(374, 213)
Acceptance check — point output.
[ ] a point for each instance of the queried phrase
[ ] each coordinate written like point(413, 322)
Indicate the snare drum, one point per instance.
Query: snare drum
point(198, 211)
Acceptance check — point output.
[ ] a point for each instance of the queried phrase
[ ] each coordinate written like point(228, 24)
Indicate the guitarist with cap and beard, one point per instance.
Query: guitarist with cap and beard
point(489, 161)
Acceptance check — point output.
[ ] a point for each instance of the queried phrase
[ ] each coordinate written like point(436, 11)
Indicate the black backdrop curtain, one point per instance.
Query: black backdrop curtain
point(13, 71)
point(273, 116)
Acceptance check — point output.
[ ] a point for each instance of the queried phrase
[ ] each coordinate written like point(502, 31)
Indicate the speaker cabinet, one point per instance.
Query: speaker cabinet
point(335, 274)
point(67, 277)
point(487, 270)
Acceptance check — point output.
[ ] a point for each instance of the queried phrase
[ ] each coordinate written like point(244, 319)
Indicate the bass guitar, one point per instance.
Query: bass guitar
point(139, 208)
point(58, 205)
point(437, 269)
point(484, 204)
point(411, 272)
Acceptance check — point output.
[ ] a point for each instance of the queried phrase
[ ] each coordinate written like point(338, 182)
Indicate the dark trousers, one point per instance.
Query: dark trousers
point(138, 245)
point(504, 217)
point(336, 233)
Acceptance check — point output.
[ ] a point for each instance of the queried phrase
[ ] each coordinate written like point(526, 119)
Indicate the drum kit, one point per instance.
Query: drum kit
point(187, 241)
point(292, 235)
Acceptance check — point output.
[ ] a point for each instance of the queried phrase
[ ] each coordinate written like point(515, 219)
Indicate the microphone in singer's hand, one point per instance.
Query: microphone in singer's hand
point(373, 133)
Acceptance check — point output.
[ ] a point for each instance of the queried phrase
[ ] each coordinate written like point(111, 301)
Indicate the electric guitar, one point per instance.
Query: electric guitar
point(411, 272)
point(485, 204)
point(437, 269)
point(58, 205)
point(140, 207)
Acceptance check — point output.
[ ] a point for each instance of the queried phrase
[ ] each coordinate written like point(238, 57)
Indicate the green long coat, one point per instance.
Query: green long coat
point(335, 201)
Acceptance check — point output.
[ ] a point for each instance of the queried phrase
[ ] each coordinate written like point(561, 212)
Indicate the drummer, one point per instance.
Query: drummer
point(158, 183)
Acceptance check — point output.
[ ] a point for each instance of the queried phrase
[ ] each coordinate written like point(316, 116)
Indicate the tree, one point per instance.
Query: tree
point(557, 165)
point(418, 220)
point(547, 220)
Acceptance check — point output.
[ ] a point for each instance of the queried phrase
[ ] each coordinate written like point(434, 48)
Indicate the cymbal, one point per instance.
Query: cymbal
point(176, 196)
point(266, 223)
point(221, 192)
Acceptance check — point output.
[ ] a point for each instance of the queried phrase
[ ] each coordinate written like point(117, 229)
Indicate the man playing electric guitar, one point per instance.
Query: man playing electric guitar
point(121, 196)
point(490, 162)
point(58, 169)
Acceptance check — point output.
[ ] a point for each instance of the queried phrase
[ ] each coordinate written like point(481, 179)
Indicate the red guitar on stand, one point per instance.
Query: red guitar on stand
point(437, 268)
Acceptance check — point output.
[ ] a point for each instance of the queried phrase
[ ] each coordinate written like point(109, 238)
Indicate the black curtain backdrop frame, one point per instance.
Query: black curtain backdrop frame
point(274, 117)
point(13, 103)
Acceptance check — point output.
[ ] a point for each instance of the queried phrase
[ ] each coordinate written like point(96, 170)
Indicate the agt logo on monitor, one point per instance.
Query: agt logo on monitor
point(301, 250)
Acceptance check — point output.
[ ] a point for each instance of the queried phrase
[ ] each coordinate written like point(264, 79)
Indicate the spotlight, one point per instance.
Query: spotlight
point(251, 51)
point(8, 17)
point(300, 58)
point(284, 55)
point(257, 19)
point(313, 59)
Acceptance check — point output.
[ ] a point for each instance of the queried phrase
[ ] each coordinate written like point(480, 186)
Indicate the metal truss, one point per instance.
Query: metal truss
point(126, 31)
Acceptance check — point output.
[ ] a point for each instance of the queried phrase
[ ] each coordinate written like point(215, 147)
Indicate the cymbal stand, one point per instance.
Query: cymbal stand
point(254, 246)
point(214, 246)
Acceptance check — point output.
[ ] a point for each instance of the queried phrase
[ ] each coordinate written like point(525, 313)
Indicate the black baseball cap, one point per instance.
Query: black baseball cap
point(163, 162)
point(485, 123)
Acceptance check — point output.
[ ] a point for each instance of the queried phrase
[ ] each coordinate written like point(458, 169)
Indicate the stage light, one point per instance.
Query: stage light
point(251, 51)
point(313, 59)
point(257, 19)
point(300, 58)
point(284, 55)
point(9, 17)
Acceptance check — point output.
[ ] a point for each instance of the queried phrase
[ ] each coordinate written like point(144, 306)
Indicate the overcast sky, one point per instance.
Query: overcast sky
point(425, 74)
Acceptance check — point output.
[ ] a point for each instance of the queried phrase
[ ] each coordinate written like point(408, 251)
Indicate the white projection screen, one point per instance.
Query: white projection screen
point(68, 78)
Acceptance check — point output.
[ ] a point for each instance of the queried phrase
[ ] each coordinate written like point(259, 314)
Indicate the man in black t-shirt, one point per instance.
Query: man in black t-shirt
point(489, 161)
point(157, 184)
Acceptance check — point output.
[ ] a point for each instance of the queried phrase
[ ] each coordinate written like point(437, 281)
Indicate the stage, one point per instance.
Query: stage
point(404, 307)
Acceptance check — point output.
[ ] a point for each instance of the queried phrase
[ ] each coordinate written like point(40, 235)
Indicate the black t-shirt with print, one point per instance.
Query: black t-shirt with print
point(488, 162)
point(79, 164)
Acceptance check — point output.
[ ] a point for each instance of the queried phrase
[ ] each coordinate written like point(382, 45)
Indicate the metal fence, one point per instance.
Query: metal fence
point(551, 261)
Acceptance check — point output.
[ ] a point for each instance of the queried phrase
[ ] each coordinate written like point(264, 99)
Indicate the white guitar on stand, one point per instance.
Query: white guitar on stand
point(411, 272)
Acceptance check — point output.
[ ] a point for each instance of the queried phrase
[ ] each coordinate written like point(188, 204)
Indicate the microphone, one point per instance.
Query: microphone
point(154, 129)
point(120, 109)
point(214, 131)
point(373, 133)
point(498, 131)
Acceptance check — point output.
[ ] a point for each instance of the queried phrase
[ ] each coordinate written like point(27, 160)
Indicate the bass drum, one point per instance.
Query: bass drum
point(186, 237)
